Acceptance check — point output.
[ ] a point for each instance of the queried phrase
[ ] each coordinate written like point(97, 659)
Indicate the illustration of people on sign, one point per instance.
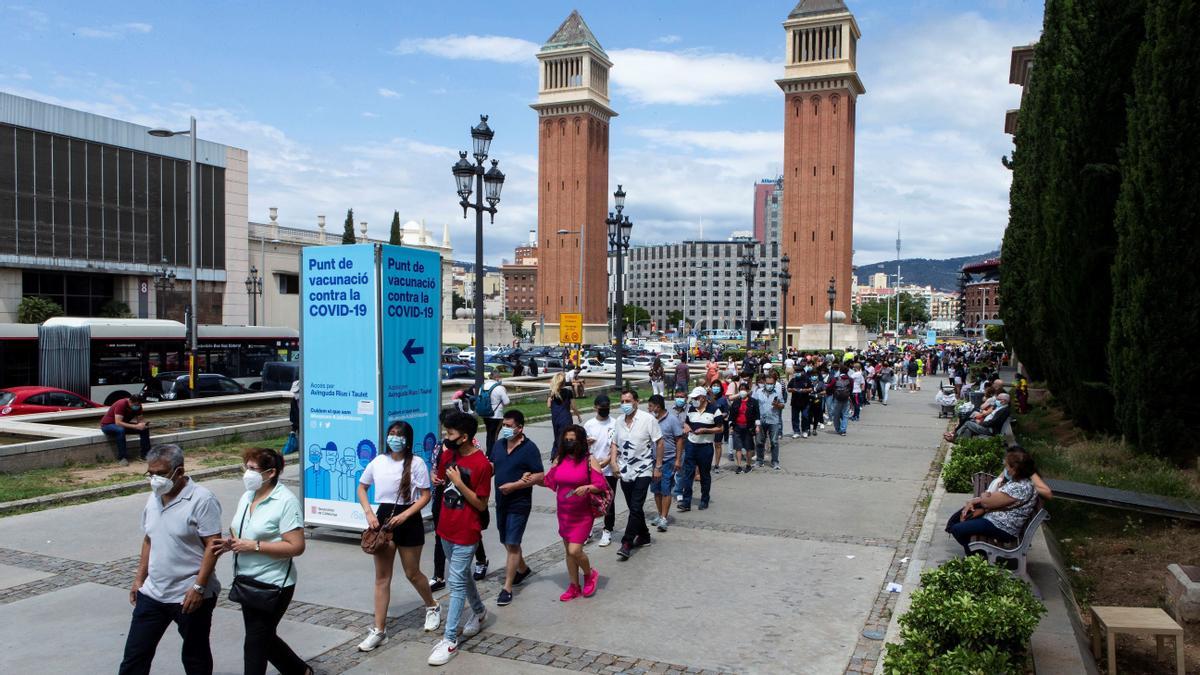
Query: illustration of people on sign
point(345, 474)
point(317, 477)
point(366, 452)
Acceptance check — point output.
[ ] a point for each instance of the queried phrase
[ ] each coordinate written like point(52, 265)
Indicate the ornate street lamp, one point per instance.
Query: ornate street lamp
point(487, 187)
point(749, 267)
point(164, 281)
point(254, 288)
point(619, 229)
point(832, 292)
point(785, 282)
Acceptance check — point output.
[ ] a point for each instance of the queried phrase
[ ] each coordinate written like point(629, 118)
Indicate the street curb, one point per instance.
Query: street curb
point(63, 498)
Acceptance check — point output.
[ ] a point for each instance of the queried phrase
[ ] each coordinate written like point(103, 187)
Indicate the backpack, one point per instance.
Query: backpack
point(483, 402)
point(841, 388)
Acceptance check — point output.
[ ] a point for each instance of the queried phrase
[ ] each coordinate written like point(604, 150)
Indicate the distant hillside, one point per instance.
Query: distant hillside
point(941, 274)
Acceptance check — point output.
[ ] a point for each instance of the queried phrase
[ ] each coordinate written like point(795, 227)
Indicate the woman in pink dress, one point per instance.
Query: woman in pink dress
point(573, 476)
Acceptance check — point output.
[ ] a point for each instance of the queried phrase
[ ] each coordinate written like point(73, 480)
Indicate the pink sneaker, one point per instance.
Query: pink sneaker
point(571, 593)
point(589, 584)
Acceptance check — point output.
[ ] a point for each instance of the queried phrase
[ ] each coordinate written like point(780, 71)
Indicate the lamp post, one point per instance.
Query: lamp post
point(193, 241)
point(749, 266)
point(254, 288)
point(487, 186)
point(619, 228)
point(164, 280)
point(832, 292)
point(582, 242)
point(785, 282)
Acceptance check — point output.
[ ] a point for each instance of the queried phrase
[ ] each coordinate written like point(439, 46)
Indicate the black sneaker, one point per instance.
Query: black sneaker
point(683, 508)
point(436, 584)
point(639, 542)
point(522, 576)
point(737, 470)
point(504, 598)
point(624, 552)
point(481, 570)
point(703, 505)
point(747, 470)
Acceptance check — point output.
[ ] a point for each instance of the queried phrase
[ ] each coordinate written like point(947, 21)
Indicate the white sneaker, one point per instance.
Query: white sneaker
point(798, 435)
point(375, 637)
point(433, 618)
point(442, 653)
point(804, 435)
point(605, 538)
point(473, 625)
point(820, 425)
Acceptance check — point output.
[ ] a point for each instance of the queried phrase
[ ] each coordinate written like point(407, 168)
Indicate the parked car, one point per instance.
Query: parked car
point(32, 400)
point(504, 369)
point(279, 375)
point(548, 364)
point(451, 351)
point(207, 385)
point(457, 371)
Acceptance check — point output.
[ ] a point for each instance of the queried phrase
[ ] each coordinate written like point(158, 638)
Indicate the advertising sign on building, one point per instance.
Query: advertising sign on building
point(570, 328)
point(931, 337)
point(371, 333)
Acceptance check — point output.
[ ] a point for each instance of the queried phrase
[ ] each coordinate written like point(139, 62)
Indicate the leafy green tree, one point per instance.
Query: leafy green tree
point(115, 309)
point(33, 309)
point(517, 322)
point(872, 314)
point(635, 314)
point(674, 317)
point(348, 229)
point(1156, 227)
point(395, 238)
point(457, 302)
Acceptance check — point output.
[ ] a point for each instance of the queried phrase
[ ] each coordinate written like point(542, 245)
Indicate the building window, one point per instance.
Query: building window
point(77, 294)
point(289, 284)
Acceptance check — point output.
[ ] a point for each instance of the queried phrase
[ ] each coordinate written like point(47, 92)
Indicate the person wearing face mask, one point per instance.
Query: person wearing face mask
point(679, 405)
point(402, 488)
point(121, 418)
point(438, 582)
point(175, 580)
point(574, 475)
point(637, 447)
point(704, 422)
point(799, 393)
point(267, 532)
point(599, 431)
point(1001, 512)
point(770, 397)
point(517, 464)
point(662, 483)
point(717, 396)
point(743, 423)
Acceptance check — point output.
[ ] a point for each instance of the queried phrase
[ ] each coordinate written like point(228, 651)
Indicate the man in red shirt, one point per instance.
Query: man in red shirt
point(123, 416)
point(467, 476)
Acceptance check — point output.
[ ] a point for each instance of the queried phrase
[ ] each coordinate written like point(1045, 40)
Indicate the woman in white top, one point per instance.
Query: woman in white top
point(401, 482)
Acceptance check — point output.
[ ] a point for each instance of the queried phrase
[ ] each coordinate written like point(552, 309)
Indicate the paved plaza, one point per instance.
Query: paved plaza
point(784, 573)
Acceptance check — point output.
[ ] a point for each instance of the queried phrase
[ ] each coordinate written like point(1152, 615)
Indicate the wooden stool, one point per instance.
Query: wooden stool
point(1134, 621)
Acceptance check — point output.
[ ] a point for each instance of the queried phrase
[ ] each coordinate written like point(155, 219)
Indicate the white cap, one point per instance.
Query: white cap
point(698, 392)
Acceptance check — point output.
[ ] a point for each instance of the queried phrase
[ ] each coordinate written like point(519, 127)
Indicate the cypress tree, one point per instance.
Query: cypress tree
point(395, 236)
point(1154, 317)
point(348, 230)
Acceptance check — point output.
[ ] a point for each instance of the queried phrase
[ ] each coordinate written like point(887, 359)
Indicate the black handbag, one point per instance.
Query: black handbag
point(251, 593)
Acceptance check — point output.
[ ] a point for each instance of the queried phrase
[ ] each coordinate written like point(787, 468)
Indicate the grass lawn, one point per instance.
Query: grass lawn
point(39, 482)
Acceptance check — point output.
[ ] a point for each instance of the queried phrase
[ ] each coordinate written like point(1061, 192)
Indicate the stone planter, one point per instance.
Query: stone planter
point(1183, 592)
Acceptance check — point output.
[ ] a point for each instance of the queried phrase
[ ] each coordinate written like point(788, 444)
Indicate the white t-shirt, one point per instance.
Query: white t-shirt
point(386, 473)
point(600, 438)
point(499, 397)
point(637, 441)
point(857, 378)
point(789, 364)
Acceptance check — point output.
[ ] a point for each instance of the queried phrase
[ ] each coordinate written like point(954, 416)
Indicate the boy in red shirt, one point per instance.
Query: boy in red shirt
point(467, 476)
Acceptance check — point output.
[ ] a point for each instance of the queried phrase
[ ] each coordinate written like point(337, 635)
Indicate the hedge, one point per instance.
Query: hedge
point(970, 456)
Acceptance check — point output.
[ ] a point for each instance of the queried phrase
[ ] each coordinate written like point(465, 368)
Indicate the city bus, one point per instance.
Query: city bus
point(109, 359)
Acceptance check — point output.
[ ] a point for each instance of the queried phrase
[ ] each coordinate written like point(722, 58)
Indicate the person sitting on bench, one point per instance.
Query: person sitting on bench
point(989, 424)
point(121, 417)
point(1001, 514)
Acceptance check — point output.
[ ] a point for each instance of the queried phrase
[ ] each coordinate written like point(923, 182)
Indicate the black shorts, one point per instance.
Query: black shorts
point(409, 533)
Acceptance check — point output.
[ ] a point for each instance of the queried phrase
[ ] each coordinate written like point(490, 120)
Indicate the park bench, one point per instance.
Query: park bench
point(1018, 552)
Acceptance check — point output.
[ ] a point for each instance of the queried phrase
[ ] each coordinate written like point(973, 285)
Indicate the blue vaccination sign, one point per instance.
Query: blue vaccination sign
point(411, 315)
point(341, 420)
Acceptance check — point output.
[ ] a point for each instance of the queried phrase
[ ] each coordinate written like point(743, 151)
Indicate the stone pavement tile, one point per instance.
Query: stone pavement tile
point(90, 623)
point(15, 576)
point(802, 603)
point(411, 657)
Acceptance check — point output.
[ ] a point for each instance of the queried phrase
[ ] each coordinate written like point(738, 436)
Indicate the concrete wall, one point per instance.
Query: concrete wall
point(10, 294)
point(236, 303)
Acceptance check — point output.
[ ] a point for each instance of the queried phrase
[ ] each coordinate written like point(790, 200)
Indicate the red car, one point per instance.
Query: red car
point(30, 400)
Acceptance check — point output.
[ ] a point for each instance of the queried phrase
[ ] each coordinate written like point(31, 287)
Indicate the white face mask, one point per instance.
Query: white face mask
point(160, 485)
point(253, 480)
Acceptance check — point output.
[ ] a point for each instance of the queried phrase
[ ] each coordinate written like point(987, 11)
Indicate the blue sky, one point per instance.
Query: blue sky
point(364, 106)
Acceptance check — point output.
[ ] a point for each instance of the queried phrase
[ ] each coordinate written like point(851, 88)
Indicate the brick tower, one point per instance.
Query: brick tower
point(573, 118)
point(820, 88)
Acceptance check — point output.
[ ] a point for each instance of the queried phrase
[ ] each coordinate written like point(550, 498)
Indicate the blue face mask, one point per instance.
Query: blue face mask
point(679, 402)
point(626, 408)
point(1007, 477)
point(507, 433)
point(716, 390)
point(396, 443)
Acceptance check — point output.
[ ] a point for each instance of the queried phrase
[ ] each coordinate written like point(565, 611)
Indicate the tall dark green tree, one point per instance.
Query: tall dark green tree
point(1154, 320)
point(348, 229)
point(395, 238)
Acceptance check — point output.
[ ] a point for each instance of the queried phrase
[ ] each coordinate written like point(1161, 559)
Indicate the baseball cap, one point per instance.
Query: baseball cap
point(698, 392)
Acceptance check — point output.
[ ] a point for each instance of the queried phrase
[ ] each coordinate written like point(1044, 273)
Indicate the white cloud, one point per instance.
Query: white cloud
point(30, 16)
point(388, 93)
point(114, 31)
point(472, 47)
point(690, 77)
point(369, 115)
point(668, 39)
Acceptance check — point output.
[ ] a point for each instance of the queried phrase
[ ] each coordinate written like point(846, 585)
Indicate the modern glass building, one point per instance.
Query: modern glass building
point(92, 208)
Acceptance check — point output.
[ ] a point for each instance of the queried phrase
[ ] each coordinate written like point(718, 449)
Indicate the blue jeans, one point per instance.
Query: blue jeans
point(841, 410)
point(885, 388)
point(118, 432)
point(695, 455)
point(462, 585)
point(770, 435)
point(798, 411)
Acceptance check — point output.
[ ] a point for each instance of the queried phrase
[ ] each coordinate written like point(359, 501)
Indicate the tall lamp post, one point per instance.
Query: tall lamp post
point(164, 280)
point(749, 267)
point(254, 288)
point(487, 186)
point(619, 228)
point(832, 292)
point(193, 243)
point(785, 282)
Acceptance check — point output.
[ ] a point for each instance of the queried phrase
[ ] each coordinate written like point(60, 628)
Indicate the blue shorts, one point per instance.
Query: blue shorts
point(510, 525)
point(664, 486)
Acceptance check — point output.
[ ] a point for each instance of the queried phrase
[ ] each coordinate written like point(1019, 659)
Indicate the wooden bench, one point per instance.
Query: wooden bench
point(1113, 621)
point(1019, 551)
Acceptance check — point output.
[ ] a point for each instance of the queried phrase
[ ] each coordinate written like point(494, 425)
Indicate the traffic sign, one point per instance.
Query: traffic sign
point(570, 328)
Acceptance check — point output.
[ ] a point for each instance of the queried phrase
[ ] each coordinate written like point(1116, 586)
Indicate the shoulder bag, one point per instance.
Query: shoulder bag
point(251, 593)
point(375, 538)
point(599, 503)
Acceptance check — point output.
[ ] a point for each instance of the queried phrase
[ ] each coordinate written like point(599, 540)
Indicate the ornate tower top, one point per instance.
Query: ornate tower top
point(573, 74)
point(822, 40)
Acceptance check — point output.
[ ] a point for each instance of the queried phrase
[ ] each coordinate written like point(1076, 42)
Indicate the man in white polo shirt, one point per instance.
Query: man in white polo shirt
point(175, 582)
point(704, 421)
point(637, 447)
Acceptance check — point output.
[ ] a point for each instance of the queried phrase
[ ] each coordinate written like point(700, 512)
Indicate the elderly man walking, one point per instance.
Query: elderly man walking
point(175, 582)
